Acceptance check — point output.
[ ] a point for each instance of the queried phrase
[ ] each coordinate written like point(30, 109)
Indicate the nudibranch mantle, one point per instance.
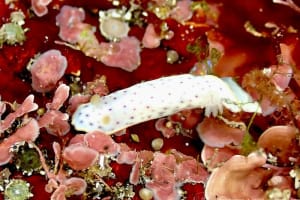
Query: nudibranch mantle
point(158, 98)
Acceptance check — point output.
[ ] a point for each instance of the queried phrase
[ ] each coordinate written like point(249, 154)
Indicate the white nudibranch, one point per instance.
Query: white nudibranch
point(159, 98)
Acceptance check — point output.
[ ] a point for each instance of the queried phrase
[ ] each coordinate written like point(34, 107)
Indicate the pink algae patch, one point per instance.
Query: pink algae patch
point(80, 157)
point(151, 39)
point(29, 132)
point(55, 121)
point(27, 106)
point(216, 133)
point(70, 22)
point(213, 157)
point(239, 178)
point(280, 141)
point(101, 142)
point(39, 7)
point(182, 11)
point(129, 48)
point(47, 70)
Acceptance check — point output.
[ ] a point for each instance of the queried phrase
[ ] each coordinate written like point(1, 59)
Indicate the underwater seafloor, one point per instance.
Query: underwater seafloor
point(56, 55)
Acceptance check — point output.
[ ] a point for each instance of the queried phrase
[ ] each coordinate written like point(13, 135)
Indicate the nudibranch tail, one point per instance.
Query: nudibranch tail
point(154, 99)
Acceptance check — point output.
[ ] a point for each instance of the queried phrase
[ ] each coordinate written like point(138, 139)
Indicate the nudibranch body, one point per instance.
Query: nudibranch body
point(157, 98)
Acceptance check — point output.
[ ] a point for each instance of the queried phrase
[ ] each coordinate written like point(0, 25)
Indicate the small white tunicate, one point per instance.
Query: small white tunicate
point(157, 144)
point(172, 56)
point(145, 194)
point(114, 28)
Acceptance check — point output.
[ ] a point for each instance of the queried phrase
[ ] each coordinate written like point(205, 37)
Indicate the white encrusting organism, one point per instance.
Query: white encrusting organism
point(161, 97)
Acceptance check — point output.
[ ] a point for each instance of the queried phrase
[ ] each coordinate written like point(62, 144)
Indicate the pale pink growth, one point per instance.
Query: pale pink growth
point(145, 156)
point(51, 185)
point(188, 169)
point(29, 132)
point(216, 133)
point(39, 7)
point(161, 125)
point(97, 86)
point(163, 190)
point(101, 142)
point(129, 48)
point(88, 42)
point(60, 96)
point(213, 157)
point(70, 22)
point(77, 139)
point(5, 155)
point(79, 157)
point(163, 167)
point(59, 193)
point(134, 176)
point(138, 159)
point(280, 141)
point(57, 151)
point(188, 119)
point(47, 70)
point(55, 122)
point(76, 101)
point(70, 16)
point(2, 108)
point(27, 106)
point(238, 178)
point(151, 39)
point(182, 11)
point(281, 182)
point(267, 107)
point(76, 185)
point(127, 157)
point(281, 75)
point(74, 33)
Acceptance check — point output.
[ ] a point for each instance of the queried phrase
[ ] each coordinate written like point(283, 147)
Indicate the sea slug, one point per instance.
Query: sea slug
point(158, 98)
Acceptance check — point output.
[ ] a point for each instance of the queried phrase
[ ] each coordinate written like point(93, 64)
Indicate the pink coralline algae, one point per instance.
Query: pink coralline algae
point(27, 106)
point(39, 7)
point(213, 157)
point(182, 11)
point(170, 171)
point(79, 157)
point(68, 20)
point(239, 178)
point(47, 70)
point(55, 121)
point(129, 48)
point(151, 39)
point(59, 184)
point(106, 146)
point(78, 34)
point(216, 133)
point(281, 142)
point(28, 133)
point(165, 127)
